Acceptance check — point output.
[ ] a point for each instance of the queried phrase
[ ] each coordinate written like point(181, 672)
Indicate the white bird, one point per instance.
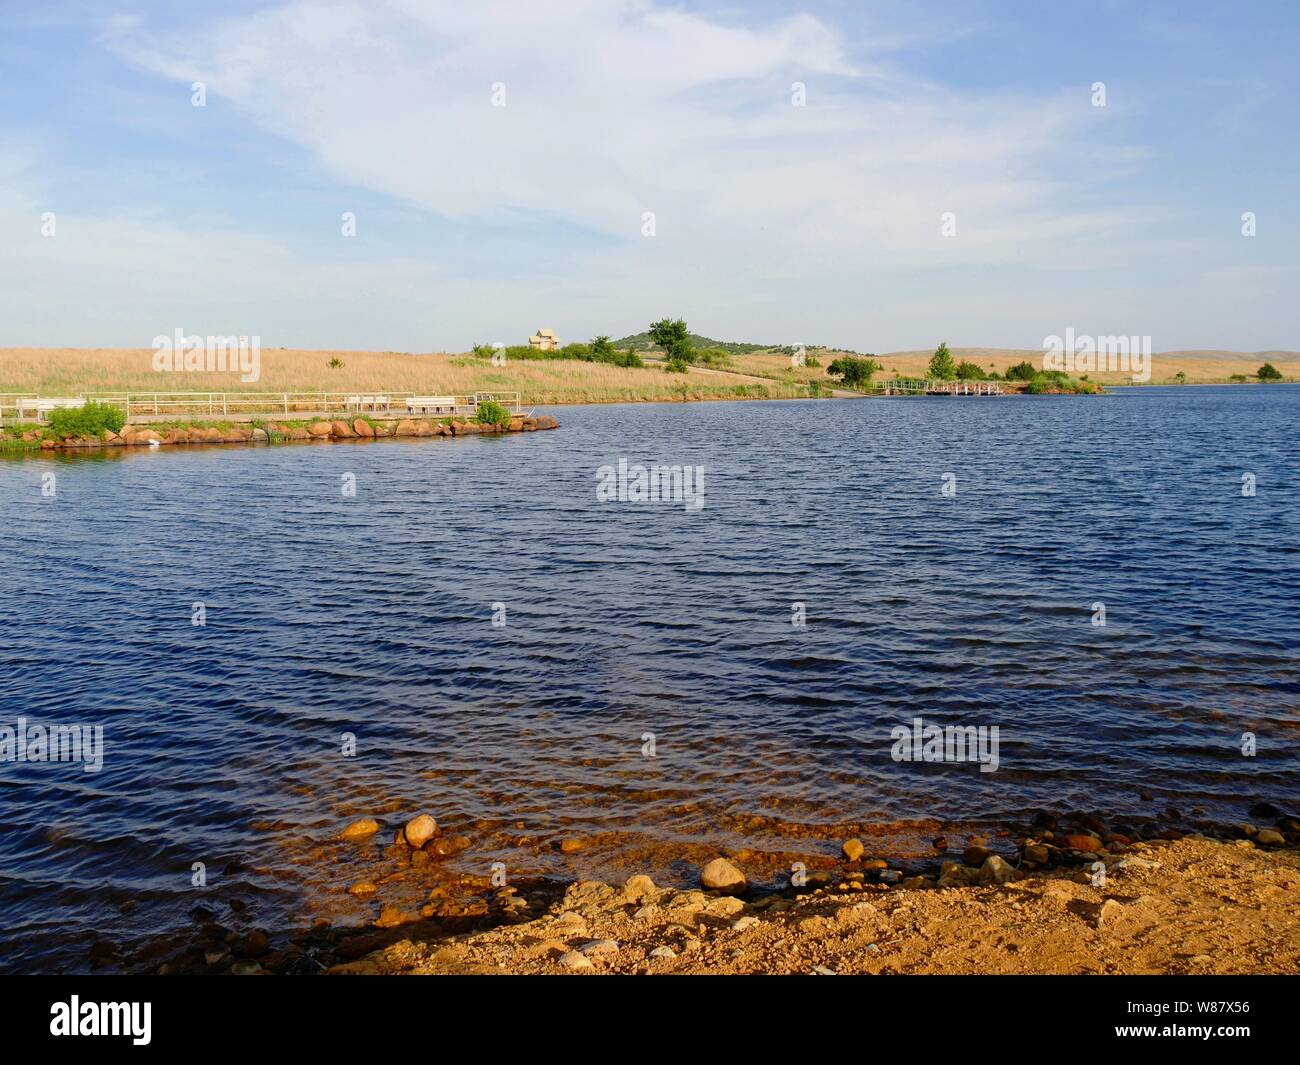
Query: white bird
point(153, 443)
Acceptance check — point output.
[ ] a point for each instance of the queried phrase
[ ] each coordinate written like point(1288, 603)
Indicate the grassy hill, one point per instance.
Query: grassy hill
point(642, 342)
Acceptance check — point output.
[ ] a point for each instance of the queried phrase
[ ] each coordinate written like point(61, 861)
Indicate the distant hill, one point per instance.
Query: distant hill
point(642, 341)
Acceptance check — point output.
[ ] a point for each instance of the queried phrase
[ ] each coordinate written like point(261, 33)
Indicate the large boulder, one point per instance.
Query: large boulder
point(341, 430)
point(320, 430)
point(362, 427)
point(405, 427)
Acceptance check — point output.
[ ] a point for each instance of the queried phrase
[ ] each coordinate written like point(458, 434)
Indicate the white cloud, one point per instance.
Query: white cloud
point(617, 108)
point(778, 223)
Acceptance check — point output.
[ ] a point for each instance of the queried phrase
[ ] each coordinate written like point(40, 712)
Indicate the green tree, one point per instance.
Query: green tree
point(603, 350)
point(1022, 371)
point(672, 338)
point(969, 371)
point(941, 363)
point(853, 371)
point(1268, 372)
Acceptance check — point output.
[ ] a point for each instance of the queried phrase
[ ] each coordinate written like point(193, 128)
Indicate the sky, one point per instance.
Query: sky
point(874, 176)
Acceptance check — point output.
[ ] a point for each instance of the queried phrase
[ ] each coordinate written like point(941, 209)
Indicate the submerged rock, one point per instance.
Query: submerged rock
point(362, 828)
point(419, 830)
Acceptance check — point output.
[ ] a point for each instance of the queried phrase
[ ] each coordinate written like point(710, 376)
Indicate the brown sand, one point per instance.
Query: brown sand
point(1195, 906)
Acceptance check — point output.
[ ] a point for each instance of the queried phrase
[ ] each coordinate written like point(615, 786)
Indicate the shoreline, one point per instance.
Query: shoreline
point(270, 433)
point(1076, 880)
point(1192, 907)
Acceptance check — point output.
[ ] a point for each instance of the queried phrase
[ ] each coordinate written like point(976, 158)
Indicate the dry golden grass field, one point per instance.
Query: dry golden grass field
point(1200, 366)
point(73, 371)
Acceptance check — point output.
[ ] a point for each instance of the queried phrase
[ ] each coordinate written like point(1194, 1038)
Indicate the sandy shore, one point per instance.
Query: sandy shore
point(1191, 906)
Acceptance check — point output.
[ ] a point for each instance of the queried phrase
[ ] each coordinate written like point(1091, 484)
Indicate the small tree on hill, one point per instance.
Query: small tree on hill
point(941, 363)
point(672, 339)
point(1268, 372)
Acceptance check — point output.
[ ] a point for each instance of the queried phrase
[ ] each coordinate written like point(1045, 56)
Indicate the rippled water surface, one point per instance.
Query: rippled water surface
point(372, 616)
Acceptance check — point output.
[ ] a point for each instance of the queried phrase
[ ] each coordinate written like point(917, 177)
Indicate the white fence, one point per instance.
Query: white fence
point(196, 406)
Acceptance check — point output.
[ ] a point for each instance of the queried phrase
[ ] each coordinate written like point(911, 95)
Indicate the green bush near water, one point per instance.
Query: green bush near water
point(492, 413)
point(93, 419)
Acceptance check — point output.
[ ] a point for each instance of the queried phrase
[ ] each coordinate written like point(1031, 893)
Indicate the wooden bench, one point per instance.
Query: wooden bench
point(366, 402)
point(431, 404)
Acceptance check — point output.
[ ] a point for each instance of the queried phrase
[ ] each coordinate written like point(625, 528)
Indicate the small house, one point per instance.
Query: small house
point(544, 340)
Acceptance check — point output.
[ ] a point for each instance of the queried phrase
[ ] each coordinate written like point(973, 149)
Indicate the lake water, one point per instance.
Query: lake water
point(648, 693)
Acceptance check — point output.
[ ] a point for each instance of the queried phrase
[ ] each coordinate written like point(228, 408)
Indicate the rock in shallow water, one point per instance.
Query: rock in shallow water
point(853, 849)
point(362, 828)
point(419, 830)
point(721, 875)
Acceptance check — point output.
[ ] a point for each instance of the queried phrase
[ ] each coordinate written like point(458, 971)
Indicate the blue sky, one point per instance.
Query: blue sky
point(776, 223)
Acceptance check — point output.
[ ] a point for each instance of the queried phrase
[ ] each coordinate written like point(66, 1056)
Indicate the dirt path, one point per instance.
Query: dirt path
point(1192, 906)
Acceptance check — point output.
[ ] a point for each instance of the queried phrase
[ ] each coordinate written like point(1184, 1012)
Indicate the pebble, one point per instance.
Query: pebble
point(974, 856)
point(721, 875)
point(597, 947)
point(663, 952)
point(572, 846)
point(741, 923)
point(419, 830)
point(362, 888)
point(853, 849)
point(573, 960)
point(645, 913)
point(362, 828)
point(822, 970)
point(1269, 837)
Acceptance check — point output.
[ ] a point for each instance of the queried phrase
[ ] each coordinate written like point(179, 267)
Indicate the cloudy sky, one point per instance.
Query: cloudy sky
point(772, 222)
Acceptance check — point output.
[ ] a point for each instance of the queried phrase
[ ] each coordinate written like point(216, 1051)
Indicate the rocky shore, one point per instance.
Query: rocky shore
point(1065, 893)
point(277, 433)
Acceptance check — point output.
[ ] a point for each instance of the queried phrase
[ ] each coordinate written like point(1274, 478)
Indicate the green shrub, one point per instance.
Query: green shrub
point(853, 371)
point(93, 419)
point(676, 364)
point(490, 412)
point(968, 371)
point(1022, 371)
point(1268, 372)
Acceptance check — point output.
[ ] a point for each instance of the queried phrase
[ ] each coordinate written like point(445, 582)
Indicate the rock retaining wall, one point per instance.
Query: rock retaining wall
point(356, 429)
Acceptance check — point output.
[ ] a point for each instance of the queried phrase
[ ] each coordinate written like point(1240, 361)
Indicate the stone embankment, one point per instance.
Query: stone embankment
point(275, 433)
